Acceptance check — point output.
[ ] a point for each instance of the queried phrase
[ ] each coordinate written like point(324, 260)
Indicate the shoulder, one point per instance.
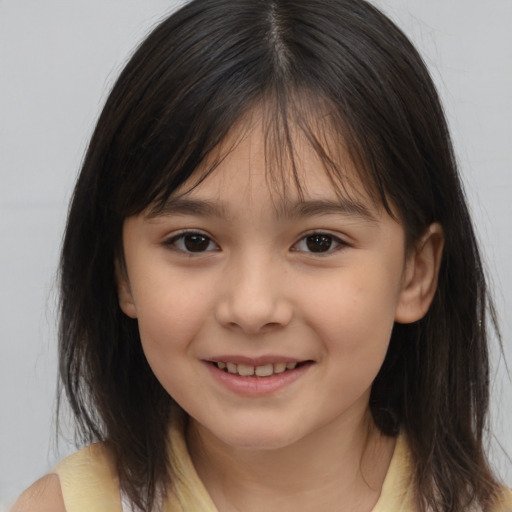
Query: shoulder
point(504, 501)
point(95, 458)
point(89, 480)
point(84, 481)
point(45, 495)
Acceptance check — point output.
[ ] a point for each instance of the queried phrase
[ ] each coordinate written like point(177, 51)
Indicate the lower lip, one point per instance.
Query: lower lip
point(257, 386)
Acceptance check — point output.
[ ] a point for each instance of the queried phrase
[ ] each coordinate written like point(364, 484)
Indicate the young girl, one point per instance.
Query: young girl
point(271, 293)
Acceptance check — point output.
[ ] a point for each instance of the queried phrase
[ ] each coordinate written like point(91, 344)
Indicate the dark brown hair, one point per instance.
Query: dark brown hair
point(186, 86)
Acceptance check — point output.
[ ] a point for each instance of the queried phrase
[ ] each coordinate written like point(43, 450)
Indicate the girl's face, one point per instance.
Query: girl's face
point(266, 318)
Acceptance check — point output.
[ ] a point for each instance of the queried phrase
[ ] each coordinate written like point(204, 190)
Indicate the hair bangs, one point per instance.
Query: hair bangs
point(303, 117)
point(290, 121)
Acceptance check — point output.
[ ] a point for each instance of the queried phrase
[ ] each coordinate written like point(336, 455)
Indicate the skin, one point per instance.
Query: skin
point(231, 273)
point(44, 496)
point(253, 288)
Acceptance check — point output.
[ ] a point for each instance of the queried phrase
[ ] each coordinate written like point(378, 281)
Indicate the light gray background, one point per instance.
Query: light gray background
point(57, 61)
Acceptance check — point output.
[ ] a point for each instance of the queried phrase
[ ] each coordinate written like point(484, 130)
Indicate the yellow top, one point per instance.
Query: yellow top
point(89, 482)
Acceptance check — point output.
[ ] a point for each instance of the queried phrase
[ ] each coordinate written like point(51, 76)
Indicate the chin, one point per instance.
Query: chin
point(259, 437)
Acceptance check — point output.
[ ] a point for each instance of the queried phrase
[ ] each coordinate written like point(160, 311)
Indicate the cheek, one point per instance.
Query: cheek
point(169, 318)
point(354, 316)
point(167, 327)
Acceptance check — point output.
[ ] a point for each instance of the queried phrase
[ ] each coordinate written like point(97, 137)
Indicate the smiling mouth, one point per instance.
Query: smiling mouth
point(266, 370)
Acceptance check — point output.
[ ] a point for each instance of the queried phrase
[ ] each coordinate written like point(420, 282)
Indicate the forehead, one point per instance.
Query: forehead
point(278, 165)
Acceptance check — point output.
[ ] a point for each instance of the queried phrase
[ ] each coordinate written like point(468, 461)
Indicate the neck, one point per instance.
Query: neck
point(339, 467)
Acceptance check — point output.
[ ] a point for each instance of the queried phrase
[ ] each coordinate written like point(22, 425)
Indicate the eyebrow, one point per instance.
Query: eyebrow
point(183, 206)
point(343, 206)
point(206, 208)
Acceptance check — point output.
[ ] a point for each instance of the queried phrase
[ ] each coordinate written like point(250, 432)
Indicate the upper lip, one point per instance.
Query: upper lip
point(254, 361)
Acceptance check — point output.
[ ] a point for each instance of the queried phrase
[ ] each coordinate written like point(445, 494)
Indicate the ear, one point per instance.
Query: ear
point(124, 291)
point(420, 276)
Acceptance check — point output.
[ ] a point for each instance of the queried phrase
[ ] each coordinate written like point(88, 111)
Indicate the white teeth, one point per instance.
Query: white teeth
point(279, 367)
point(246, 370)
point(264, 371)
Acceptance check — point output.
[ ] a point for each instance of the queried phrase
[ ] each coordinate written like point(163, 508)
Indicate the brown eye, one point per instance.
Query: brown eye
point(192, 242)
point(319, 243)
point(196, 243)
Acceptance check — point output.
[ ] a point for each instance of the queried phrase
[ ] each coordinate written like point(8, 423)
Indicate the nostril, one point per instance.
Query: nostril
point(253, 315)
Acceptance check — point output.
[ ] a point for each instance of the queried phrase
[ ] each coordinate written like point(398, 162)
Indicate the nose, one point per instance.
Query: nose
point(252, 296)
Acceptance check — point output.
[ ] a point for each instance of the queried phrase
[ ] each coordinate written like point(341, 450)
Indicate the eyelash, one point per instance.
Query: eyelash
point(179, 238)
point(334, 240)
point(177, 242)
